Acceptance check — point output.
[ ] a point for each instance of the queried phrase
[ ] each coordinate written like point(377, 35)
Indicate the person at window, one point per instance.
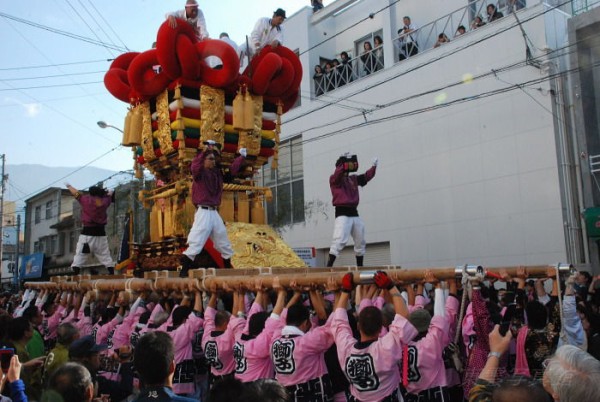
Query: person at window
point(492, 13)
point(319, 79)
point(346, 72)
point(316, 5)
point(92, 239)
point(193, 15)
point(442, 38)
point(461, 30)
point(407, 39)
point(207, 189)
point(344, 191)
point(378, 51)
point(368, 58)
point(477, 22)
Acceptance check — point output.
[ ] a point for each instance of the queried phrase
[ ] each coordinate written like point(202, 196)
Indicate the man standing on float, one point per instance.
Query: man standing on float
point(344, 190)
point(207, 189)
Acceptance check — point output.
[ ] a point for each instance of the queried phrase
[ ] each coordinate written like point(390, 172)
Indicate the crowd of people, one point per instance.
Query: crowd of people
point(335, 73)
point(482, 339)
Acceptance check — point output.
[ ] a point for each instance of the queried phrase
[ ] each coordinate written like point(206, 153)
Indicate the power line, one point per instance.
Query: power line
point(64, 33)
point(89, 27)
point(105, 21)
point(76, 84)
point(53, 76)
point(72, 173)
point(56, 65)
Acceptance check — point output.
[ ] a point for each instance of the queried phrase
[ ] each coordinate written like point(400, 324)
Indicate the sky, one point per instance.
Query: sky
point(57, 125)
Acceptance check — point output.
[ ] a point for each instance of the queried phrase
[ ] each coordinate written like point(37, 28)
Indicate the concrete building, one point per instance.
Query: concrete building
point(474, 138)
point(45, 217)
point(53, 225)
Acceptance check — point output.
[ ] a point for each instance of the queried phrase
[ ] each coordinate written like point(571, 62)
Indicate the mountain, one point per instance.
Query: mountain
point(25, 180)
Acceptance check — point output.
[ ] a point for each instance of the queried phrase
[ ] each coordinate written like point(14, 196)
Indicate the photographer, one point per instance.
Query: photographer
point(92, 239)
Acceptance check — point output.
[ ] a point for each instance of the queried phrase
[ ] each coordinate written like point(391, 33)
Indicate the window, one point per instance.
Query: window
point(49, 210)
point(38, 214)
point(287, 184)
point(36, 247)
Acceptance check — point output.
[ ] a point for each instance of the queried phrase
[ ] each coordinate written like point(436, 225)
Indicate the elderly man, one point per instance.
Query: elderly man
point(71, 382)
point(572, 375)
point(267, 31)
point(193, 15)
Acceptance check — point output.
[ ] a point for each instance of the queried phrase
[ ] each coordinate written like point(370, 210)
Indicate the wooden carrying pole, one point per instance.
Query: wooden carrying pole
point(221, 279)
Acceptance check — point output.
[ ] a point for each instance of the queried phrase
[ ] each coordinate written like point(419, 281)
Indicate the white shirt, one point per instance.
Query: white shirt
point(410, 37)
point(198, 23)
point(264, 34)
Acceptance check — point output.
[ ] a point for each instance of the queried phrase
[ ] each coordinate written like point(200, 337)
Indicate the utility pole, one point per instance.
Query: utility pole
point(16, 273)
point(3, 178)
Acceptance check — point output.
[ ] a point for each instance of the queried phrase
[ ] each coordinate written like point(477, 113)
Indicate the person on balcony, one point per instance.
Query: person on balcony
point(407, 39)
point(492, 13)
point(346, 72)
point(368, 58)
point(442, 38)
point(316, 5)
point(92, 239)
point(378, 51)
point(319, 79)
point(461, 30)
point(477, 22)
point(193, 15)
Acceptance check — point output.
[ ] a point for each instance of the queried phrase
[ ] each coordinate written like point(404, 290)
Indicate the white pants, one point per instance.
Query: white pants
point(343, 228)
point(208, 223)
point(98, 247)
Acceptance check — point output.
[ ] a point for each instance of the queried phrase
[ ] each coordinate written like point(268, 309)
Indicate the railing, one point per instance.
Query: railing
point(582, 6)
point(422, 39)
point(349, 71)
point(472, 16)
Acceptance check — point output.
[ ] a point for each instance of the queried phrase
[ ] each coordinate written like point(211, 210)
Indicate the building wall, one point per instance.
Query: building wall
point(476, 182)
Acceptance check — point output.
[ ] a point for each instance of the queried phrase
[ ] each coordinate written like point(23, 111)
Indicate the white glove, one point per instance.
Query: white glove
point(346, 154)
point(244, 152)
point(375, 161)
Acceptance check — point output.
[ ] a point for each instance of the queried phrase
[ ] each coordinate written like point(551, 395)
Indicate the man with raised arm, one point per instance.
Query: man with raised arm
point(92, 239)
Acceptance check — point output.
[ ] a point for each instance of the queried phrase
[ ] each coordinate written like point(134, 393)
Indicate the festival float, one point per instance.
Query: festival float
point(177, 102)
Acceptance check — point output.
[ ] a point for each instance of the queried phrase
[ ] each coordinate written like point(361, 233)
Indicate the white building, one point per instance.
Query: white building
point(475, 165)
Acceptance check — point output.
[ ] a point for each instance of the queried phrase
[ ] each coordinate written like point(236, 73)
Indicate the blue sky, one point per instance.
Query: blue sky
point(56, 126)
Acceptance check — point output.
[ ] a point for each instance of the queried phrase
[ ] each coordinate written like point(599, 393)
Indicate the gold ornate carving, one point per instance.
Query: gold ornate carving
point(147, 145)
point(164, 125)
point(212, 106)
point(260, 246)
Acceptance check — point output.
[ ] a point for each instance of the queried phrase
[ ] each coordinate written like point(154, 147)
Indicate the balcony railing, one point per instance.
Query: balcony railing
point(422, 39)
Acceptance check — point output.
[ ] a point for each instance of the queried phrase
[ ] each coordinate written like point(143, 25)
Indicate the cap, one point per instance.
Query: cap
point(280, 12)
point(85, 346)
point(191, 3)
point(420, 319)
